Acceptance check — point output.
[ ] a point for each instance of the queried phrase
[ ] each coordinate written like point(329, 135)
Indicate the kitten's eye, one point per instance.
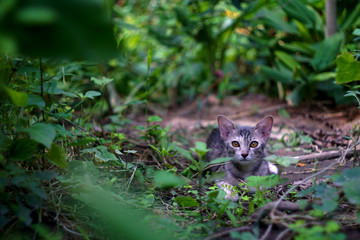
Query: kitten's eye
point(235, 144)
point(254, 144)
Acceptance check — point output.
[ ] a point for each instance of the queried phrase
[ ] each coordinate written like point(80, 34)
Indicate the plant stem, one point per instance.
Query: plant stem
point(42, 86)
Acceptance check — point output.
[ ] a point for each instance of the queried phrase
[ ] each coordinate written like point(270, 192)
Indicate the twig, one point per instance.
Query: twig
point(70, 231)
point(325, 155)
point(277, 203)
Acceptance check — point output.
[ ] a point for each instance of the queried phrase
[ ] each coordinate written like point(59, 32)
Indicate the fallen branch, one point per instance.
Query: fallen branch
point(325, 155)
point(278, 202)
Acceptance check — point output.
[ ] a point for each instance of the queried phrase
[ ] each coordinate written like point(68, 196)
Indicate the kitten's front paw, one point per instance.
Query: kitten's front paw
point(272, 168)
point(230, 190)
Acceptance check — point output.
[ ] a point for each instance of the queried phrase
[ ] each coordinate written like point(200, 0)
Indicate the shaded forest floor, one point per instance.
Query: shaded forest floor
point(297, 131)
point(302, 130)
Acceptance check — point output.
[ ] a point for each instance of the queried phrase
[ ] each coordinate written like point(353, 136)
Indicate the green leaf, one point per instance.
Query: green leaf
point(348, 70)
point(57, 156)
point(92, 94)
point(282, 112)
point(356, 32)
point(102, 153)
point(350, 179)
point(4, 141)
point(103, 81)
point(298, 10)
point(23, 213)
point(219, 160)
point(323, 76)
point(186, 201)
point(326, 51)
point(22, 149)
point(163, 179)
point(283, 161)
point(42, 133)
point(282, 75)
point(20, 99)
point(154, 119)
point(265, 181)
point(74, 29)
point(287, 59)
point(149, 58)
point(185, 153)
point(35, 100)
point(276, 20)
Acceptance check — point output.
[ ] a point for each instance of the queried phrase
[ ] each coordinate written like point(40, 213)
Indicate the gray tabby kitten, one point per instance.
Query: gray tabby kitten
point(246, 146)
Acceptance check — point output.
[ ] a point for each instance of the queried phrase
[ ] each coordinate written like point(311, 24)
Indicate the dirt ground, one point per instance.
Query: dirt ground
point(324, 122)
point(318, 128)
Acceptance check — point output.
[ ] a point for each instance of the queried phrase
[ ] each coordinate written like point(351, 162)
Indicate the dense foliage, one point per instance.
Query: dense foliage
point(71, 71)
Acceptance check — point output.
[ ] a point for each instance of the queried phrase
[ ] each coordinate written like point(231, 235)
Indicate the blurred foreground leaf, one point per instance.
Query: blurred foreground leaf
point(164, 179)
point(42, 133)
point(77, 29)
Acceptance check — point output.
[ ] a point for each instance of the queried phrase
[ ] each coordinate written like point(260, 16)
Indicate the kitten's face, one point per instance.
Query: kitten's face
point(245, 144)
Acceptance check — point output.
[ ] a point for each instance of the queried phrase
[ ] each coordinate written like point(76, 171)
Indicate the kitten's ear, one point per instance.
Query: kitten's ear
point(226, 126)
point(264, 127)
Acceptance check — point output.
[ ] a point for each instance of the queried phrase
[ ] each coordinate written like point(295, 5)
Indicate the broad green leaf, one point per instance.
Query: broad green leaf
point(35, 100)
point(70, 94)
point(200, 148)
point(326, 51)
point(348, 70)
point(48, 87)
point(281, 75)
point(352, 18)
point(102, 153)
point(287, 59)
point(350, 179)
point(323, 76)
point(219, 160)
point(57, 156)
point(92, 94)
point(20, 99)
point(276, 20)
point(154, 119)
point(22, 149)
point(298, 10)
point(186, 201)
point(163, 179)
point(185, 153)
point(356, 32)
point(102, 81)
point(304, 31)
point(283, 161)
point(265, 181)
point(45, 175)
point(23, 214)
point(301, 47)
point(42, 133)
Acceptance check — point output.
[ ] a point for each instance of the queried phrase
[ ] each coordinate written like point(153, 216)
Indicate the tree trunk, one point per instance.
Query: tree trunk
point(331, 24)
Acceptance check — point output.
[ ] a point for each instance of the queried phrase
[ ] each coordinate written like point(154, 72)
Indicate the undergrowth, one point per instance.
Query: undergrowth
point(64, 175)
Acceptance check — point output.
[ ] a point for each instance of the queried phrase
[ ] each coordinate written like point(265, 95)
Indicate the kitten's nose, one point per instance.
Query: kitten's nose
point(244, 155)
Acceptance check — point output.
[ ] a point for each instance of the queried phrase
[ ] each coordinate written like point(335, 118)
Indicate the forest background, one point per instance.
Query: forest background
point(85, 86)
